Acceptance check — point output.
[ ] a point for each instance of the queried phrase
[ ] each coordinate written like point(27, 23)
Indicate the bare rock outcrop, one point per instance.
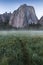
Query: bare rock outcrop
point(41, 20)
point(23, 16)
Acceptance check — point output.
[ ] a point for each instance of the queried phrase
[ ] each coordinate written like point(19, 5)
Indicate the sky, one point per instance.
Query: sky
point(11, 5)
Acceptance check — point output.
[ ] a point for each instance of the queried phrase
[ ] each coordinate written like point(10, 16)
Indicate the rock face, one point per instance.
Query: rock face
point(4, 20)
point(23, 16)
point(41, 20)
point(5, 17)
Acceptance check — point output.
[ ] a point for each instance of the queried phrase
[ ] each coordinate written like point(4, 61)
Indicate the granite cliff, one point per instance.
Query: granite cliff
point(23, 16)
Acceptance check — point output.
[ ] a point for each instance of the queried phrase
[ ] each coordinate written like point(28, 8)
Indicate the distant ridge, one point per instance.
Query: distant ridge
point(22, 18)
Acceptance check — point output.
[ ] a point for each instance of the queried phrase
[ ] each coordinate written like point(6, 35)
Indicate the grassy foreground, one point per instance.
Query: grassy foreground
point(16, 50)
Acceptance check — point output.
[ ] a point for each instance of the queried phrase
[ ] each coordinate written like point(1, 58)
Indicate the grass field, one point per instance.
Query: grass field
point(21, 47)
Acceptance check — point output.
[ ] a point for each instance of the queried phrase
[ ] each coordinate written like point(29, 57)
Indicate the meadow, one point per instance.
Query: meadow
point(21, 47)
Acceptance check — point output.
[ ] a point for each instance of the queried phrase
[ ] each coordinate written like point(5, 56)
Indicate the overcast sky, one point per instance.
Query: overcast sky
point(11, 5)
